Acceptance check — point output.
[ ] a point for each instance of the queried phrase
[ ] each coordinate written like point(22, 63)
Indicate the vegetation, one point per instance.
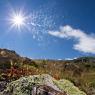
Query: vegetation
point(80, 71)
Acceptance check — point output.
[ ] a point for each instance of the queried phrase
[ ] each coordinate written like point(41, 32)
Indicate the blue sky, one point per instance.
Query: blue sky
point(54, 29)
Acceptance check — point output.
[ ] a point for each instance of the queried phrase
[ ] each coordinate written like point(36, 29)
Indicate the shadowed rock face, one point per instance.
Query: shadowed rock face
point(46, 90)
point(3, 85)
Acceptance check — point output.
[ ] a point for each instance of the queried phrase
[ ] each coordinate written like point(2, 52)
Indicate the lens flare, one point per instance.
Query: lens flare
point(18, 20)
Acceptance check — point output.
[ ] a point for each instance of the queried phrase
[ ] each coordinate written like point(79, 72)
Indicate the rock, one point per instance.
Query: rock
point(2, 85)
point(39, 85)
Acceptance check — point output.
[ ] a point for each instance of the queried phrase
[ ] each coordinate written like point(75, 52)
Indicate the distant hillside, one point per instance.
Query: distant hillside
point(80, 71)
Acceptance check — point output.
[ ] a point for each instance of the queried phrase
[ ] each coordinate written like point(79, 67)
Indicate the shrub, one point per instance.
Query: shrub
point(5, 66)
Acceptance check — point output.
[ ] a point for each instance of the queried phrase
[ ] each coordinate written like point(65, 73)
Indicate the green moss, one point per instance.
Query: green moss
point(68, 87)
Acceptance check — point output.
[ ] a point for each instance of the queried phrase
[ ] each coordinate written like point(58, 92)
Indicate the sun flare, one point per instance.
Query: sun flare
point(18, 20)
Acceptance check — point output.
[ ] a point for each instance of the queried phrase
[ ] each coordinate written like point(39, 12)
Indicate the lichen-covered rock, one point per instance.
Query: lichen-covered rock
point(41, 85)
point(69, 87)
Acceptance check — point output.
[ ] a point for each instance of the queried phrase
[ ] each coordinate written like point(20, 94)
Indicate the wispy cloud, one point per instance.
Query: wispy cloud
point(84, 42)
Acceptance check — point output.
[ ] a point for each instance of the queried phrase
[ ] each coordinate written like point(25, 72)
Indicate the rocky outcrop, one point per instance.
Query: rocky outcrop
point(41, 85)
point(8, 53)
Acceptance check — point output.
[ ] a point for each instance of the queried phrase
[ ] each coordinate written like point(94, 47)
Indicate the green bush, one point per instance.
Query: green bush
point(92, 84)
point(5, 66)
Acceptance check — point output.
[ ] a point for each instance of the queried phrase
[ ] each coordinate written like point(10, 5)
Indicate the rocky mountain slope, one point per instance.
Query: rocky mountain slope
point(80, 71)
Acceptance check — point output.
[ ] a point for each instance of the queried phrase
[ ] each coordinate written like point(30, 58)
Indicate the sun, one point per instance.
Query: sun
point(18, 20)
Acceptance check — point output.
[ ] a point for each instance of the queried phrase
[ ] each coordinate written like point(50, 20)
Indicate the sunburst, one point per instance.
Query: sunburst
point(18, 20)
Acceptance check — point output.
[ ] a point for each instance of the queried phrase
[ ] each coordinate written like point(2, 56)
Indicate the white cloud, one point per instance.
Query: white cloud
point(84, 42)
